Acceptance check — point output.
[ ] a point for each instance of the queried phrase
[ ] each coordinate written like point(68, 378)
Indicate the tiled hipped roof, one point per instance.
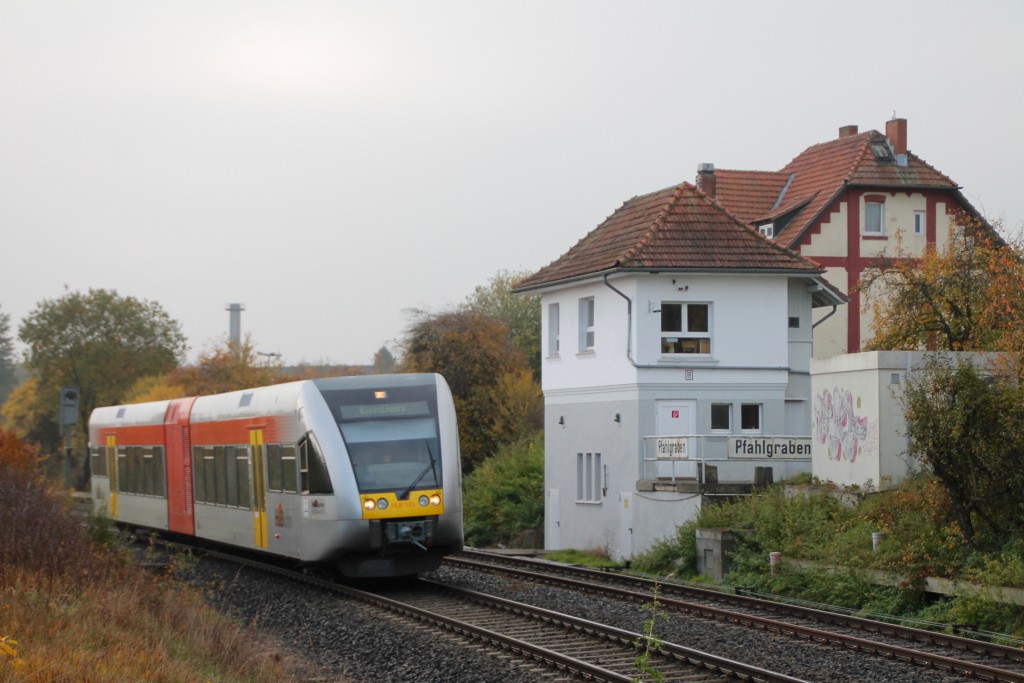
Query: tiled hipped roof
point(822, 171)
point(678, 228)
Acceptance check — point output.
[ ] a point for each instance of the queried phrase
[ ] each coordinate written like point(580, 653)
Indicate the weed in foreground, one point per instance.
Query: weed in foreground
point(648, 644)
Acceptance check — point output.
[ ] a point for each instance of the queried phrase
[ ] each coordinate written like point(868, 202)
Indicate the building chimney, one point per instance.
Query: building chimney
point(235, 324)
point(706, 179)
point(847, 131)
point(896, 131)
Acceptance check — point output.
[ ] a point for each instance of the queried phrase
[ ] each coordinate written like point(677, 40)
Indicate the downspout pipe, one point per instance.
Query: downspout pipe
point(629, 321)
point(835, 307)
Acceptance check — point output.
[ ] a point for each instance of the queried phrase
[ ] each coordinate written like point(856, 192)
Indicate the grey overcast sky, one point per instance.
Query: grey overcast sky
point(333, 164)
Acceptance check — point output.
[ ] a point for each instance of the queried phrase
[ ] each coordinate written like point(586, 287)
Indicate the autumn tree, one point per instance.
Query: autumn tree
point(967, 296)
point(7, 378)
point(472, 351)
point(32, 419)
point(226, 366)
point(229, 367)
point(963, 422)
point(519, 313)
point(99, 342)
point(17, 455)
point(383, 361)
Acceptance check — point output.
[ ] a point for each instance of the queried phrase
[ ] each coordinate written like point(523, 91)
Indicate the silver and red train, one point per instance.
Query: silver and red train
point(359, 473)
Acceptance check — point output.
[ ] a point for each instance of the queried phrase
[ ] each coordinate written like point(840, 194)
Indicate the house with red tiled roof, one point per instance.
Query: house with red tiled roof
point(677, 343)
point(845, 203)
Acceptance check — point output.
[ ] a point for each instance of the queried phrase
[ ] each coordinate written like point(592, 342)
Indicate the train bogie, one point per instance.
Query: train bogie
point(359, 472)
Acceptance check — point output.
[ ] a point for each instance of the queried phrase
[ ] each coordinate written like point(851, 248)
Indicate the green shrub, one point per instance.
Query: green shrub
point(504, 495)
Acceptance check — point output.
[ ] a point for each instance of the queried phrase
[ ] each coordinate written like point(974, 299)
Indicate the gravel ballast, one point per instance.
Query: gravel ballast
point(349, 642)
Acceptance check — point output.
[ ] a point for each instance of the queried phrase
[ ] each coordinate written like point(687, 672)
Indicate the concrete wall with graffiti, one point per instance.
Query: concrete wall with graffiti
point(856, 419)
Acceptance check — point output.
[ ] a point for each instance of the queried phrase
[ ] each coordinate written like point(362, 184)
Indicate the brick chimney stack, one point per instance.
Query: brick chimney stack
point(896, 131)
point(706, 181)
point(847, 131)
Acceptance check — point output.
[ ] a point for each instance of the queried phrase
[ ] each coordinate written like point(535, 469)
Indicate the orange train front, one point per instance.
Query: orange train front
point(361, 473)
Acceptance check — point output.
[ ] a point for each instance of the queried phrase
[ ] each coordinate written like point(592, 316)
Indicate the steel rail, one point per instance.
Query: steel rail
point(597, 582)
point(559, 661)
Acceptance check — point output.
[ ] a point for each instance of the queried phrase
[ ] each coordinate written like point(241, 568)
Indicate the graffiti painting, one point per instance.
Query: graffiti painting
point(838, 427)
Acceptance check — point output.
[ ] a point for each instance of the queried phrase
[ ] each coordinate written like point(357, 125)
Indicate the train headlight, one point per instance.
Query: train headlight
point(382, 503)
point(424, 501)
point(435, 499)
point(369, 504)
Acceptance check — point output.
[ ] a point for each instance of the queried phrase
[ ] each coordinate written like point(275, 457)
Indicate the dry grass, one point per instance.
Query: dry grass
point(127, 628)
point(73, 611)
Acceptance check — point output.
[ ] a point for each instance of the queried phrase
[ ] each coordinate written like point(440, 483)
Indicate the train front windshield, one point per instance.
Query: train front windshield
point(391, 436)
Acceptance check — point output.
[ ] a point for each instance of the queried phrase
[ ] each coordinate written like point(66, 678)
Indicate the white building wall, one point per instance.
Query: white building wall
point(600, 401)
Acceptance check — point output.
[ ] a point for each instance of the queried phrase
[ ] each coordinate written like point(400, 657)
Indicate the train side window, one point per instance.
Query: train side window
point(99, 462)
point(315, 478)
point(289, 469)
point(242, 467)
point(198, 477)
point(147, 482)
point(222, 477)
point(141, 470)
point(209, 476)
point(135, 483)
point(161, 471)
point(231, 474)
point(274, 478)
point(122, 469)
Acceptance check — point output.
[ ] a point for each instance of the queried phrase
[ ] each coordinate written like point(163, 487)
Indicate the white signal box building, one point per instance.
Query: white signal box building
point(676, 367)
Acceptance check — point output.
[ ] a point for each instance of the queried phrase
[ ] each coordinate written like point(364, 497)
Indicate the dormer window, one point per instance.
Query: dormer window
point(768, 230)
point(881, 151)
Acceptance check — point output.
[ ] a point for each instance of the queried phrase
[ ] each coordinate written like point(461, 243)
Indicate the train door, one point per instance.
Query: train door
point(178, 442)
point(259, 487)
point(112, 473)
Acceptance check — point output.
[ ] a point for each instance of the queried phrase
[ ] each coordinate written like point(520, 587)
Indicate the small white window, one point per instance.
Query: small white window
point(587, 324)
point(768, 230)
point(874, 217)
point(919, 222)
point(553, 330)
point(750, 418)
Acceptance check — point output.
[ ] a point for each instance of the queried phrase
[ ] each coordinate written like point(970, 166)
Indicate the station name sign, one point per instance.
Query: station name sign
point(769, 447)
point(673, 447)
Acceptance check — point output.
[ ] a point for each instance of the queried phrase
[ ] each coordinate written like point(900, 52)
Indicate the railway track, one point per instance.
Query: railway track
point(553, 646)
point(944, 652)
point(584, 649)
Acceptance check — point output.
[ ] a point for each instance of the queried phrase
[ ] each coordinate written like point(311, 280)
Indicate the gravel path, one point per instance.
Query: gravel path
point(356, 644)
